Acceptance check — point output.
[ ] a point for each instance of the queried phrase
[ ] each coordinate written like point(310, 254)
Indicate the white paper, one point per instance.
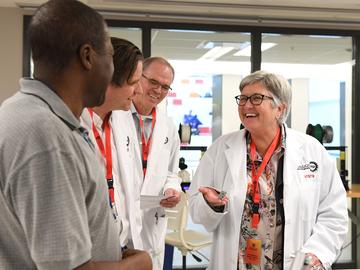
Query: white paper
point(150, 201)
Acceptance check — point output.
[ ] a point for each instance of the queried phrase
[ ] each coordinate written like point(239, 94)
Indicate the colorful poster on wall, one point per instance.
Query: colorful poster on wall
point(191, 103)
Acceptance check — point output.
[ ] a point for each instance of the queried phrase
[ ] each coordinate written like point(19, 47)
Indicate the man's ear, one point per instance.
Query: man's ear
point(86, 56)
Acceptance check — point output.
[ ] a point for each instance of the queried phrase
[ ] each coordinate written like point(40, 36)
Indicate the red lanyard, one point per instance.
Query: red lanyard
point(145, 145)
point(105, 152)
point(255, 174)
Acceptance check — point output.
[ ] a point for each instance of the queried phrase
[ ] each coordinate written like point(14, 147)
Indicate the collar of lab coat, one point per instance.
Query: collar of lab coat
point(236, 157)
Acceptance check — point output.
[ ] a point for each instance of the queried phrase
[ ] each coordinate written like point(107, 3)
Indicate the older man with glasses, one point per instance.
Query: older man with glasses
point(156, 152)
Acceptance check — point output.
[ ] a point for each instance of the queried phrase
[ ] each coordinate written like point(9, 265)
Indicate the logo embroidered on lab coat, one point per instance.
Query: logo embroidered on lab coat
point(312, 166)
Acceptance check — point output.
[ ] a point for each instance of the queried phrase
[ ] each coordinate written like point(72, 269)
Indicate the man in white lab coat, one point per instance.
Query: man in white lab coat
point(156, 145)
point(124, 86)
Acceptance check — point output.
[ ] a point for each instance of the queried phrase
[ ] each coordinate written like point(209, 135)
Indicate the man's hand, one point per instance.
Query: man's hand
point(173, 200)
point(129, 252)
point(132, 259)
point(212, 197)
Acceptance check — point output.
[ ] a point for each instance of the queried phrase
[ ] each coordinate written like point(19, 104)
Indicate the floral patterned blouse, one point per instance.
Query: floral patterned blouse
point(270, 228)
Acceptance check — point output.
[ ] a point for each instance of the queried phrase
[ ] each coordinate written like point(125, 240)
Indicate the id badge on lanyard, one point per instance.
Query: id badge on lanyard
point(253, 248)
point(253, 251)
point(107, 155)
point(255, 175)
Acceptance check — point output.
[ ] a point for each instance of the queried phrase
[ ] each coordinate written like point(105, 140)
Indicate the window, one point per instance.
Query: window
point(208, 70)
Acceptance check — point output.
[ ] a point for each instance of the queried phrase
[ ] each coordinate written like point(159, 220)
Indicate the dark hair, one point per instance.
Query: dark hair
point(60, 27)
point(126, 56)
point(150, 60)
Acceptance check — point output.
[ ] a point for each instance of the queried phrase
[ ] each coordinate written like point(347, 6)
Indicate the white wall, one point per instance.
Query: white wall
point(11, 30)
point(230, 117)
point(299, 104)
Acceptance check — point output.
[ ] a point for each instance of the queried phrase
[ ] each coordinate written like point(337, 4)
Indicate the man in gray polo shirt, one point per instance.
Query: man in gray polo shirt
point(54, 203)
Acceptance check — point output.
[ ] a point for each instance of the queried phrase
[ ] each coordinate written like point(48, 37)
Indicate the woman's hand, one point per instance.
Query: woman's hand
point(212, 197)
point(313, 262)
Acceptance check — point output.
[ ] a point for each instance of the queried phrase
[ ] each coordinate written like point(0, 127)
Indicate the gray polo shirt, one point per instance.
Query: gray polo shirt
point(147, 123)
point(53, 201)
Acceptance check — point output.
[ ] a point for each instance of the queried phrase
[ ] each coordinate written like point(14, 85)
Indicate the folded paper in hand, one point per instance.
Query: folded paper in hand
point(150, 201)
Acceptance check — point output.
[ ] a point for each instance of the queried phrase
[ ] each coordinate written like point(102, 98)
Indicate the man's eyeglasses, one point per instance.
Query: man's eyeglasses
point(255, 99)
point(155, 83)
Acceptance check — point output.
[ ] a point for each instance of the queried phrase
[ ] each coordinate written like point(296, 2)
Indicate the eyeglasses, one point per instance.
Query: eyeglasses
point(164, 87)
point(255, 99)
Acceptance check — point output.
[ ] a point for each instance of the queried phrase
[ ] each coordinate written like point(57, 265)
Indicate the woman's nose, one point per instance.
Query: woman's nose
point(248, 104)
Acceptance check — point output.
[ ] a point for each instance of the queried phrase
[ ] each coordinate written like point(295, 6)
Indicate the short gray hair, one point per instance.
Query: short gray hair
point(148, 61)
point(276, 84)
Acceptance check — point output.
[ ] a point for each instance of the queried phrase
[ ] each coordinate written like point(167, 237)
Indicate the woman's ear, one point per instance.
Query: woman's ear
point(281, 110)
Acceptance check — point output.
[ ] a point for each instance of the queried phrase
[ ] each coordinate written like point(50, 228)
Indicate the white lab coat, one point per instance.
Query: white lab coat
point(315, 208)
point(161, 174)
point(125, 146)
point(125, 195)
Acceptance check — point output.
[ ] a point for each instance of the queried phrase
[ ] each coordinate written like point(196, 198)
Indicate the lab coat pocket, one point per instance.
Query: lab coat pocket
point(152, 219)
point(159, 230)
point(162, 164)
point(288, 263)
point(309, 199)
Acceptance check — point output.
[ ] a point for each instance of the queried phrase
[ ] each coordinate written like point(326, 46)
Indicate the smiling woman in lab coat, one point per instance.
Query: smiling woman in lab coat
point(283, 192)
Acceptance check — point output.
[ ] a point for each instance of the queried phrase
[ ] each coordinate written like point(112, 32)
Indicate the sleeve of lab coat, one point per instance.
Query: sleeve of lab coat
point(200, 211)
point(173, 180)
point(331, 224)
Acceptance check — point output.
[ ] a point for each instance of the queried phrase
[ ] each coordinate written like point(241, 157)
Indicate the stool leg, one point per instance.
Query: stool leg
point(168, 257)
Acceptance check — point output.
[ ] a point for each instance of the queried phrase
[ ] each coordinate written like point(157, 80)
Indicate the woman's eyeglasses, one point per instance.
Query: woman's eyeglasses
point(164, 87)
point(255, 99)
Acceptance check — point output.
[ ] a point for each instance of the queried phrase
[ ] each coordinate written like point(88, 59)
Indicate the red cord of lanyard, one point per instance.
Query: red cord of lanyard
point(145, 145)
point(255, 175)
point(105, 152)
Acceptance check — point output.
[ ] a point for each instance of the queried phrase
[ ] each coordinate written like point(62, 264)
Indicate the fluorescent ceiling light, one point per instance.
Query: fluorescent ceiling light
point(271, 35)
point(215, 53)
point(322, 36)
point(212, 44)
point(246, 51)
point(190, 31)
